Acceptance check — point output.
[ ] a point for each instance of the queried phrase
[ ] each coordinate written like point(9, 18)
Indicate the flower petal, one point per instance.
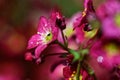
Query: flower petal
point(88, 4)
point(43, 25)
point(55, 14)
point(39, 49)
point(34, 41)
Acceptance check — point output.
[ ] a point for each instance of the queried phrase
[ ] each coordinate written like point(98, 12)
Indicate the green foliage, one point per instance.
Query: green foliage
point(75, 54)
point(19, 11)
point(68, 7)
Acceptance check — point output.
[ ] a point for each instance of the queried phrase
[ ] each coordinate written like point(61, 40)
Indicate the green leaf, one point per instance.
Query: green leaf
point(84, 51)
point(68, 7)
point(75, 54)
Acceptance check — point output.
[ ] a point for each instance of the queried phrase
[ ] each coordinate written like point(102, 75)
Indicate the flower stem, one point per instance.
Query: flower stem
point(54, 54)
point(90, 70)
point(64, 40)
point(71, 51)
point(78, 71)
point(63, 46)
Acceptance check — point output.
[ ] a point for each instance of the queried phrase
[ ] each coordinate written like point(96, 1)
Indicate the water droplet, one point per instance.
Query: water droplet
point(100, 59)
point(37, 42)
point(31, 42)
point(45, 25)
point(38, 32)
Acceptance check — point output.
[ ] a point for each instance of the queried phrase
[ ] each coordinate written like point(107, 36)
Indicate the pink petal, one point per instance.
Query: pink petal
point(43, 24)
point(39, 49)
point(55, 14)
point(55, 33)
point(88, 4)
point(38, 60)
point(80, 34)
point(34, 41)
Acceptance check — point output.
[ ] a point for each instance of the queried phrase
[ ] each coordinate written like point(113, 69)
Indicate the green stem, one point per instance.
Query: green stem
point(78, 71)
point(54, 54)
point(60, 44)
point(73, 52)
point(94, 76)
point(90, 70)
point(64, 40)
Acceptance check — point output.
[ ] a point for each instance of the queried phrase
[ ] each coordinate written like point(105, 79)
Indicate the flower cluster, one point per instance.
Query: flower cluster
point(93, 41)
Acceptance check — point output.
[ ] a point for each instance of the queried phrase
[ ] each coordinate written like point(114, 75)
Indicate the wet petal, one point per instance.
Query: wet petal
point(55, 33)
point(34, 41)
point(43, 24)
point(55, 14)
point(39, 49)
point(88, 4)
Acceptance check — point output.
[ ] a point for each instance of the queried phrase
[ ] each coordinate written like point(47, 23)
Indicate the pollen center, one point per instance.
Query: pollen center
point(111, 49)
point(117, 20)
point(48, 37)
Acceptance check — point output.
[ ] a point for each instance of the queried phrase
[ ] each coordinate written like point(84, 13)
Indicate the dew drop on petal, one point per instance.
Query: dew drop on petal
point(45, 25)
point(100, 59)
point(38, 32)
point(37, 42)
point(31, 42)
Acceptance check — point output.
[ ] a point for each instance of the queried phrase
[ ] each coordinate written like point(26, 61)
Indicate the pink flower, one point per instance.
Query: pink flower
point(88, 10)
point(106, 52)
point(59, 19)
point(86, 25)
point(47, 32)
point(109, 15)
point(88, 4)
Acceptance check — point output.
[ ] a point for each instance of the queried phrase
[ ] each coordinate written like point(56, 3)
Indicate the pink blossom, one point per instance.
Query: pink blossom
point(88, 4)
point(106, 52)
point(47, 32)
point(109, 15)
point(86, 24)
point(88, 9)
point(58, 18)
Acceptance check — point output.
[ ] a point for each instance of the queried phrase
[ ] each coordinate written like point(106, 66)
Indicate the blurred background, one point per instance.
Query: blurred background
point(18, 22)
